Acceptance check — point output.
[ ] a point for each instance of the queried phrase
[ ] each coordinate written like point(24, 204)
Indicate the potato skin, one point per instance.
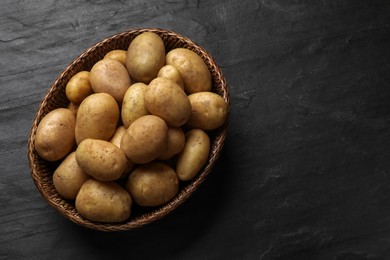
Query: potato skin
point(145, 57)
point(209, 111)
point(97, 117)
point(194, 154)
point(193, 69)
point(116, 140)
point(103, 201)
point(119, 55)
point(175, 143)
point(78, 87)
point(133, 105)
point(68, 177)
point(170, 72)
point(55, 135)
point(152, 184)
point(101, 159)
point(164, 98)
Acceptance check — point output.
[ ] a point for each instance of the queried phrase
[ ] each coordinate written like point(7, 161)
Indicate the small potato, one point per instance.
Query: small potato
point(145, 57)
point(133, 106)
point(194, 155)
point(164, 98)
point(152, 184)
point(209, 111)
point(101, 159)
point(175, 143)
point(193, 69)
point(170, 72)
point(103, 201)
point(97, 117)
point(119, 55)
point(68, 177)
point(78, 87)
point(145, 139)
point(55, 135)
point(73, 107)
point(116, 140)
point(111, 77)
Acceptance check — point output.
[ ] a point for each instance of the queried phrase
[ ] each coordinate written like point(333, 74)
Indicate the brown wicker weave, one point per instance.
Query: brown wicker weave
point(41, 170)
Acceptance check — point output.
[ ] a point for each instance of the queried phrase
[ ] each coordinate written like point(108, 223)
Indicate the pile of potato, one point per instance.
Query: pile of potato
point(137, 124)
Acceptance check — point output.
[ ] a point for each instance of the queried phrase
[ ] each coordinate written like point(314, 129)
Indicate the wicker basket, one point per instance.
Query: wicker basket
point(41, 170)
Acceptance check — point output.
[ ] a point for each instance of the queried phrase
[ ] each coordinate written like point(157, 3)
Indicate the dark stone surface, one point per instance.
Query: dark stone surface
point(305, 170)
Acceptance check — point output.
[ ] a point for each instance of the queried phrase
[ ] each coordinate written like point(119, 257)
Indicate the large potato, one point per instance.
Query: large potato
point(110, 76)
point(170, 72)
point(119, 55)
point(145, 139)
point(209, 111)
point(101, 159)
point(78, 87)
point(103, 201)
point(55, 135)
point(68, 177)
point(145, 57)
point(152, 184)
point(175, 143)
point(97, 117)
point(193, 69)
point(164, 98)
point(133, 105)
point(194, 154)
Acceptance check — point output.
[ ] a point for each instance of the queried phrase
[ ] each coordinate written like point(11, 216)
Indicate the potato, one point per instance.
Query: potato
point(116, 140)
point(101, 159)
point(145, 57)
point(164, 98)
point(119, 55)
point(68, 177)
point(78, 87)
point(103, 201)
point(209, 111)
point(175, 143)
point(194, 155)
point(111, 77)
point(133, 105)
point(152, 184)
point(170, 72)
point(97, 117)
point(193, 69)
point(55, 135)
point(145, 139)
point(73, 107)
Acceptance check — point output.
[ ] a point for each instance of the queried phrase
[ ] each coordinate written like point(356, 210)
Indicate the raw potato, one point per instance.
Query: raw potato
point(97, 117)
point(78, 87)
point(116, 140)
point(164, 98)
point(133, 106)
point(209, 111)
point(101, 159)
point(73, 107)
point(145, 139)
point(111, 77)
point(193, 69)
point(103, 201)
point(68, 177)
point(194, 155)
point(175, 143)
point(170, 72)
point(145, 57)
point(119, 55)
point(152, 184)
point(55, 135)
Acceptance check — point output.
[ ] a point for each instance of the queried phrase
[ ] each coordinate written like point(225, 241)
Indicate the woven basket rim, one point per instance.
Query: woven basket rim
point(66, 208)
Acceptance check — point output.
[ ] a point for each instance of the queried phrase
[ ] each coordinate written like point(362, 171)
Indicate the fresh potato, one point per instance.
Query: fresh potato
point(68, 177)
point(209, 111)
point(170, 72)
point(145, 57)
point(119, 55)
point(73, 107)
point(78, 87)
point(145, 139)
point(111, 77)
point(152, 184)
point(55, 135)
point(164, 98)
point(133, 105)
point(101, 159)
point(103, 201)
point(116, 140)
point(97, 117)
point(194, 155)
point(193, 69)
point(175, 143)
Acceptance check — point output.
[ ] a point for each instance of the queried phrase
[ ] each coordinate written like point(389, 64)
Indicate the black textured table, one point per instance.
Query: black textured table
point(305, 171)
